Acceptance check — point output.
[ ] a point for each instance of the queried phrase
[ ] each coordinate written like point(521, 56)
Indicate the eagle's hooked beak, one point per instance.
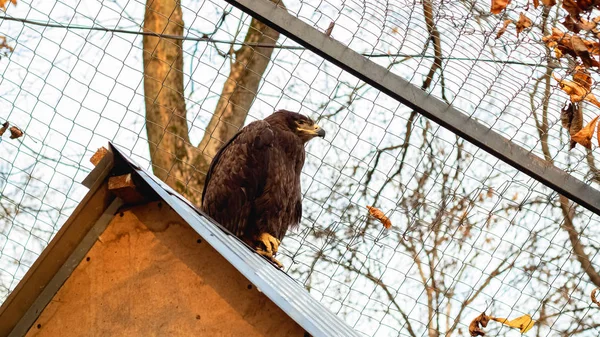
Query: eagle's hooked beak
point(313, 130)
point(320, 132)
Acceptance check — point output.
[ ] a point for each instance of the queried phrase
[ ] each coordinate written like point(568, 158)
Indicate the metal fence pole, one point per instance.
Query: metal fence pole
point(425, 104)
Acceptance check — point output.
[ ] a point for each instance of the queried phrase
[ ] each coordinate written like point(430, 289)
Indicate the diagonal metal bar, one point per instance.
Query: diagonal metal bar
point(417, 99)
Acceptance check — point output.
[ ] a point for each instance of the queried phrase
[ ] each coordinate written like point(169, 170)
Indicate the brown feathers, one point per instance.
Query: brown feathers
point(253, 183)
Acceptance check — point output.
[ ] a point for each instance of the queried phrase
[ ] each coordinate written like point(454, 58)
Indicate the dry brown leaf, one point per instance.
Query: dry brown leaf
point(564, 43)
point(593, 296)
point(15, 132)
point(587, 25)
point(3, 128)
point(516, 196)
point(581, 50)
point(499, 5)
point(329, 29)
point(523, 323)
point(395, 30)
point(4, 2)
point(571, 7)
point(476, 325)
point(566, 115)
point(379, 215)
point(570, 24)
point(4, 47)
point(584, 137)
point(572, 119)
point(576, 92)
point(536, 4)
point(523, 23)
point(582, 77)
point(576, 25)
point(490, 192)
point(503, 29)
point(576, 124)
point(549, 3)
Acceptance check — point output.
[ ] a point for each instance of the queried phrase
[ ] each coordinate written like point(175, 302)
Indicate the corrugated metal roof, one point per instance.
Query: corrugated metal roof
point(283, 290)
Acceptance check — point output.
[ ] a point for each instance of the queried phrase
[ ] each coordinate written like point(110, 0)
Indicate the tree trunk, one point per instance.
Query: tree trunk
point(174, 160)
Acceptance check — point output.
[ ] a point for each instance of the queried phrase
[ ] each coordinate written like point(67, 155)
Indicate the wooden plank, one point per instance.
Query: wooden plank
point(57, 252)
point(65, 271)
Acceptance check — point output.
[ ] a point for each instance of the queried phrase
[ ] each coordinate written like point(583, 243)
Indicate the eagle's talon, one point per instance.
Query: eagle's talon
point(270, 243)
point(269, 256)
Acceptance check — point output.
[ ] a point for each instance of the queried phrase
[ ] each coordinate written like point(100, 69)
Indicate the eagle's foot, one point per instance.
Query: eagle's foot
point(270, 243)
point(271, 246)
point(269, 256)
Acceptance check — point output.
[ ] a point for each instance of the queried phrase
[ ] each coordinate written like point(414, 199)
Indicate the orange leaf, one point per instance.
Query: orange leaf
point(503, 29)
point(593, 296)
point(564, 43)
point(4, 47)
point(499, 5)
point(576, 92)
point(598, 136)
point(583, 78)
point(584, 137)
point(4, 2)
point(586, 25)
point(379, 215)
point(523, 23)
point(523, 323)
point(581, 50)
point(536, 3)
point(549, 3)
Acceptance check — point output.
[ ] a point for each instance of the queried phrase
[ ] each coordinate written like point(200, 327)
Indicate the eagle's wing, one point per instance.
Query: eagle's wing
point(237, 176)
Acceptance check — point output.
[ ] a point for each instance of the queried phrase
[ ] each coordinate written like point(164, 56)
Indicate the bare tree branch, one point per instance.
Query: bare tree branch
point(174, 159)
point(239, 89)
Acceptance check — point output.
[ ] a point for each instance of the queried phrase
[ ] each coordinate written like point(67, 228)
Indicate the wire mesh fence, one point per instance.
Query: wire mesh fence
point(469, 233)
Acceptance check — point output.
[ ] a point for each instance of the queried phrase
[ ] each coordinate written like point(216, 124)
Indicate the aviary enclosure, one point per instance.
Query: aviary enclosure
point(469, 124)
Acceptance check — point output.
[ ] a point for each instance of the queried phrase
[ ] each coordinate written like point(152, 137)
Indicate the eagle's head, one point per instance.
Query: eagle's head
point(304, 127)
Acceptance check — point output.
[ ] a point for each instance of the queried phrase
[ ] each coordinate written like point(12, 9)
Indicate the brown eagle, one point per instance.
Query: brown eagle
point(252, 187)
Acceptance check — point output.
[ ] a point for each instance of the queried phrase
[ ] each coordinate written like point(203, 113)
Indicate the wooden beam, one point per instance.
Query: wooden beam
point(95, 159)
point(103, 167)
point(124, 187)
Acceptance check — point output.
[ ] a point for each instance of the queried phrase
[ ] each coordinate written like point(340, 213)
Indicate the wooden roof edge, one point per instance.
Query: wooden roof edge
point(63, 253)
